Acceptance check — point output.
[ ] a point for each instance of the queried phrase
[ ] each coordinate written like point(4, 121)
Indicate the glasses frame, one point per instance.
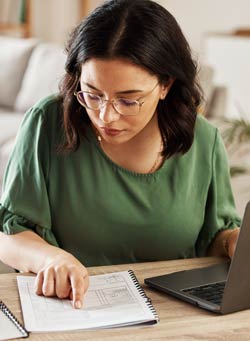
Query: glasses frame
point(113, 101)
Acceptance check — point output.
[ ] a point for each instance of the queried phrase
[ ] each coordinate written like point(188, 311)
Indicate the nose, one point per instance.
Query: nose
point(108, 113)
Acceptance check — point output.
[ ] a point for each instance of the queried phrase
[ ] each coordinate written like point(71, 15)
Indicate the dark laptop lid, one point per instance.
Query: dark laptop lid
point(237, 290)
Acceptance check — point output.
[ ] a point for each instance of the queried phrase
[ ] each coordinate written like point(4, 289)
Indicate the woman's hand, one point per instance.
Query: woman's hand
point(231, 241)
point(58, 272)
point(224, 243)
point(63, 276)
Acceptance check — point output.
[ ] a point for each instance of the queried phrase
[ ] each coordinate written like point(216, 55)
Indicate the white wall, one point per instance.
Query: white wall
point(53, 20)
point(229, 57)
point(197, 17)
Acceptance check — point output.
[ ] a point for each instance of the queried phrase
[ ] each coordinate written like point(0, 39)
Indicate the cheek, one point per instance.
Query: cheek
point(137, 123)
point(93, 115)
point(148, 111)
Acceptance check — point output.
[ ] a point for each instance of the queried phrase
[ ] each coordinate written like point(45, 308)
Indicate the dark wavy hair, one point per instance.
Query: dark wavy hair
point(146, 34)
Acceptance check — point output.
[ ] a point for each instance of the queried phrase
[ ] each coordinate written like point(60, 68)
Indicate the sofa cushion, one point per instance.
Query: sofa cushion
point(9, 123)
point(5, 152)
point(14, 56)
point(44, 71)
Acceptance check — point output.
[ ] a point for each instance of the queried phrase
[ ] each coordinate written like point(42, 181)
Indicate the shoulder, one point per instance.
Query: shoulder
point(204, 130)
point(206, 148)
point(46, 112)
point(206, 138)
point(43, 121)
point(50, 102)
point(47, 107)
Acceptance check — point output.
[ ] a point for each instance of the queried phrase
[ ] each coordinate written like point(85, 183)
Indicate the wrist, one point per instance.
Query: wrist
point(51, 253)
point(226, 240)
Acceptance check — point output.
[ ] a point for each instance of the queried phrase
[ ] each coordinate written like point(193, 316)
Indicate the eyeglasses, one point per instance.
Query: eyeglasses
point(123, 106)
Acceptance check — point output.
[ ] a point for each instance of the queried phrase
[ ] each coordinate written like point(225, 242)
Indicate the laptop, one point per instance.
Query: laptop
point(222, 288)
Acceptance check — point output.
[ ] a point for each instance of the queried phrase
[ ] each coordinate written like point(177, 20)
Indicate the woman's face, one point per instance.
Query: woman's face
point(115, 79)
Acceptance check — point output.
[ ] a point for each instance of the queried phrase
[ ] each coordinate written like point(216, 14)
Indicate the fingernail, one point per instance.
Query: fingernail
point(78, 304)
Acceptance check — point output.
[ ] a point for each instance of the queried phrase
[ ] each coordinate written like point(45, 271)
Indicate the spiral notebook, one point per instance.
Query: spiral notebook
point(10, 327)
point(112, 300)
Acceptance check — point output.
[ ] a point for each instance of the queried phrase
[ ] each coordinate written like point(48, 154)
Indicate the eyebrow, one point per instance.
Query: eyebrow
point(118, 92)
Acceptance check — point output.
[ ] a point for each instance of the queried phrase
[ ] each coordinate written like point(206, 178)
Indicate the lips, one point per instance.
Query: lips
point(111, 132)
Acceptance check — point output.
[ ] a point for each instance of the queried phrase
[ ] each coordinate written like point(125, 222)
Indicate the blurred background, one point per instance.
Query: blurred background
point(218, 32)
point(32, 38)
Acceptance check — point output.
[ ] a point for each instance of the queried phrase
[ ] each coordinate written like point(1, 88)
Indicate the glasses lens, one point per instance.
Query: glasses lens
point(89, 100)
point(127, 107)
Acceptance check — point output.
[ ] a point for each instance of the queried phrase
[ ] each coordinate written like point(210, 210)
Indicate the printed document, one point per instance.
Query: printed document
point(112, 300)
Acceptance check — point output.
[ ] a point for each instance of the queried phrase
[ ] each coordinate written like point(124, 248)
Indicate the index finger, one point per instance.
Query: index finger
point(79, 287)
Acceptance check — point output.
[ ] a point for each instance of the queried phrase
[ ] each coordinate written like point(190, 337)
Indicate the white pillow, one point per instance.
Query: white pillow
point(9, 124)
point(14, 56)
point(44, 71)
point(5, 152)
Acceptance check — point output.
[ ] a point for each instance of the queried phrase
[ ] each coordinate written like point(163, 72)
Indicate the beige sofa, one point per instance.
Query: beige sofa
point(29, 70)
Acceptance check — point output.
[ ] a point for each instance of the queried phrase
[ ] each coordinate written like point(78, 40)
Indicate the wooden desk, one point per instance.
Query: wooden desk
point(178, 320)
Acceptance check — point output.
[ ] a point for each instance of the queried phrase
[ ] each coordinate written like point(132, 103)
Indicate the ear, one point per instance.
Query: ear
point(166, 87)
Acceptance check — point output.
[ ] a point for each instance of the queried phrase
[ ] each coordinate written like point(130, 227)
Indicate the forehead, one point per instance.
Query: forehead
point(116, 72)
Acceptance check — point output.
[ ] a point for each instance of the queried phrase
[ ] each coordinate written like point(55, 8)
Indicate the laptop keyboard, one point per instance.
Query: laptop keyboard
point(209, 292)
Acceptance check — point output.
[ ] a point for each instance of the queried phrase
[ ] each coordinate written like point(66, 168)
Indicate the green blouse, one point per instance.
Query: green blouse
point(105, 214)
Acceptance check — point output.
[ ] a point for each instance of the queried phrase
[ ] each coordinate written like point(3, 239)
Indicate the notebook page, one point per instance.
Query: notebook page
point(7, 329)
point(112, 300)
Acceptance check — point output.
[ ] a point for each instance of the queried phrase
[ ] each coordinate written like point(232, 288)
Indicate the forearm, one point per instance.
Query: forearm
point(224, 243)
point(26, 251)
point(58, 272)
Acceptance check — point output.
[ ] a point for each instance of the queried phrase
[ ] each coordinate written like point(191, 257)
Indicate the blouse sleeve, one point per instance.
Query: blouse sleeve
point(220, 211)
point(24, 203)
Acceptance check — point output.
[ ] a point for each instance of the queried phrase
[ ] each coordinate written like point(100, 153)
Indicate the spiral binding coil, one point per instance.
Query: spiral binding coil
point(11, 317)
point(143, 294)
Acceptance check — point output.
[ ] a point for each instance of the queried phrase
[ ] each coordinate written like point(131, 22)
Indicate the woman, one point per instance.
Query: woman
point(117, 168)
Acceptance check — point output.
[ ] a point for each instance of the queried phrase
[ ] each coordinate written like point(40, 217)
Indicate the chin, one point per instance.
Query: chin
point(116, 140)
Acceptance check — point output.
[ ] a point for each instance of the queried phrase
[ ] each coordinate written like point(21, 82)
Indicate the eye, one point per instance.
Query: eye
point(92, 97)
point(126, 102)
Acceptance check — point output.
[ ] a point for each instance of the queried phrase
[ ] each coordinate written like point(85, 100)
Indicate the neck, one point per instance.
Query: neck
point(141, 154)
